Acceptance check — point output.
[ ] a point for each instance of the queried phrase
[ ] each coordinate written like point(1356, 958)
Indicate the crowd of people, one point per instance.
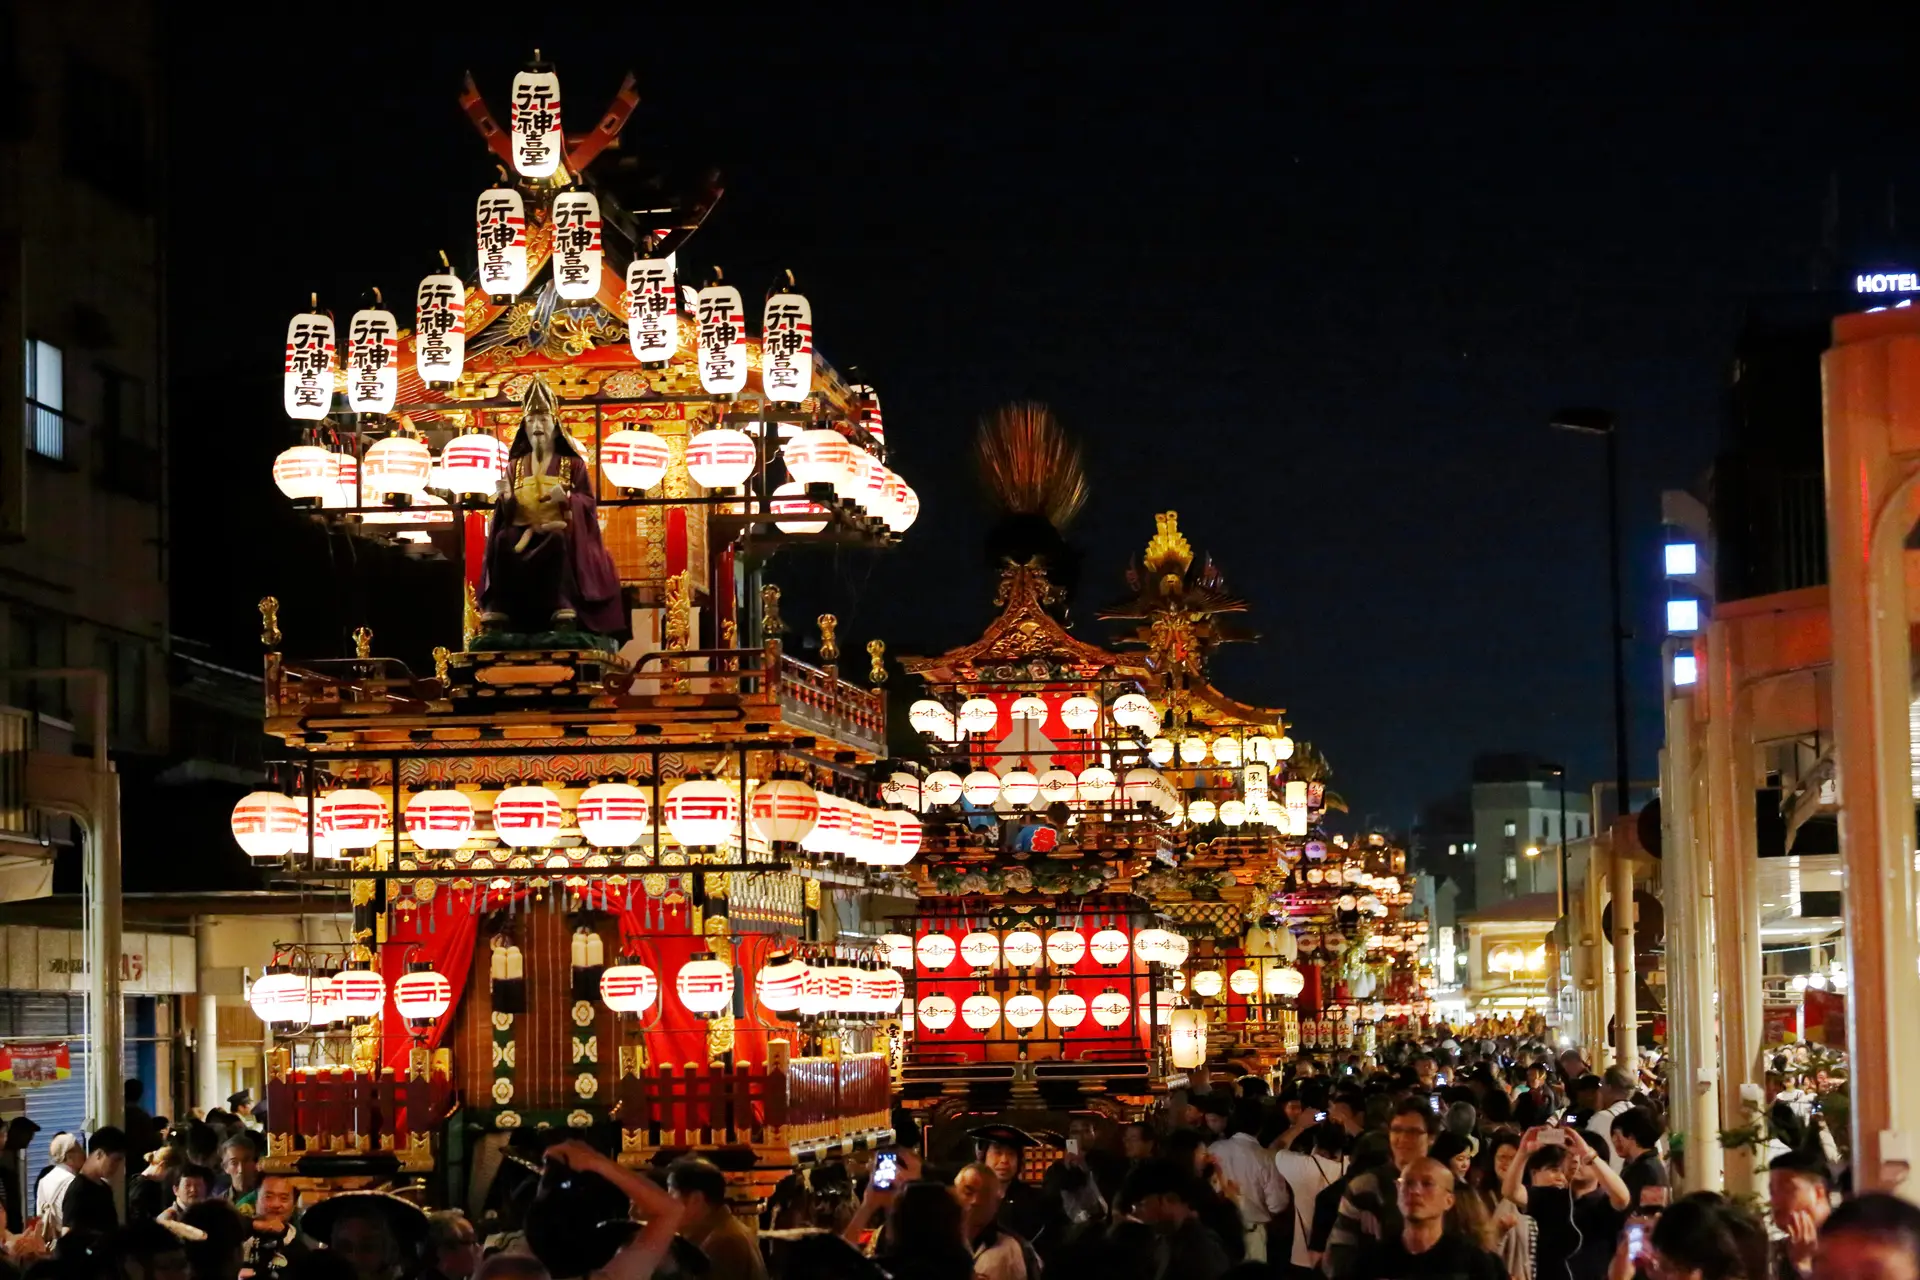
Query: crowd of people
point(1431, 1162)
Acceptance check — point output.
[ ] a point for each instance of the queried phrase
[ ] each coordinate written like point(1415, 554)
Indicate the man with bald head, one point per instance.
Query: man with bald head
point(1425, 1246)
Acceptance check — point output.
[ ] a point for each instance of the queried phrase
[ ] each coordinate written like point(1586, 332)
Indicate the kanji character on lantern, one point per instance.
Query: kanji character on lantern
point(653, 323)
point(308, 386)
point(373, 347)
point(538, 140)
point(576, 245)
point(786, 348)
point(723, 339)
point(439, 329)
point(501, 235)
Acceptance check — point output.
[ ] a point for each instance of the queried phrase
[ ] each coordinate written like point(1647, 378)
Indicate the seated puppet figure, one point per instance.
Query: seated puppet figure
point(546, 567)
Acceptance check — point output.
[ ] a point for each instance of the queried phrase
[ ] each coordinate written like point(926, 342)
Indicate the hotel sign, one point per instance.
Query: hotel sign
point(1887, 282)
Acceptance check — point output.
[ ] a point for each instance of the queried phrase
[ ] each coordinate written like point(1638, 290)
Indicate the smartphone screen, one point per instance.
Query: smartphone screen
point(1553, 1138)
point(1636, 1240)
point(1321, 1116)
point(886, 1168)
point(1433, 1100)
point(1073, 1146)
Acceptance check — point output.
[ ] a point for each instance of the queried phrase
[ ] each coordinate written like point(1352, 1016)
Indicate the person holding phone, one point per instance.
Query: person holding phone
point(1575, 1200)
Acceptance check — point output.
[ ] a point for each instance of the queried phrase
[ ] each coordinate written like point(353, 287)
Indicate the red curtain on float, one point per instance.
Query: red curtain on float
point(440, 934)
point(675, 1034)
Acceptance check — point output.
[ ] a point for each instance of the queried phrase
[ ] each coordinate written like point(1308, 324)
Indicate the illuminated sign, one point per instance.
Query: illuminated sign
point(1887, 282)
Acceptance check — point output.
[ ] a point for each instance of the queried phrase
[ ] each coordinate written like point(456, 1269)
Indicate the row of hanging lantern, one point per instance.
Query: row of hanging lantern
point(1019, 788)
point(1023, 1011)
point(832, 987)
point(269, 825)
point(289, 996)
point(1023, 949)
point(1271, 982)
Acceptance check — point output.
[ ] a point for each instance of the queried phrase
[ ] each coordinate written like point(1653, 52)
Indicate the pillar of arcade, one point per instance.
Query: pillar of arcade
point(1872, 377)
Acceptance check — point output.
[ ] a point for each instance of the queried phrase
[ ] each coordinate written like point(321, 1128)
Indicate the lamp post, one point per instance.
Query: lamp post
point(1601, 422)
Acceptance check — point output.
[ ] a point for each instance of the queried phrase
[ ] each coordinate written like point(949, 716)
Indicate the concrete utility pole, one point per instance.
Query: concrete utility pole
point(1872, 380)
point(89, 793)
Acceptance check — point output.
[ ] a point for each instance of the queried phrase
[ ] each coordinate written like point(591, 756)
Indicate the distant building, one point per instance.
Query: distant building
point(1517, 807)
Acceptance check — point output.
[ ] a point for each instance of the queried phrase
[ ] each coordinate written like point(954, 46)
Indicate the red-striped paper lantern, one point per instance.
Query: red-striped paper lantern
point(539, 140)
point(612, 815)
point(785, 809)
point(307, 388)
point(373, 361)
point(786, 348)
point(910, 834)
point(500, 219)
point(576, 245)
point(440, 329)
point(653, 312)
point(280, 996)
point(705, 985)
point(723, 339)
point(703, 811)
point(634, 459)
point(886, 990)
point(528, 817)
point(473, 463)
point(267, 824)
point(354, 818)
point(439, 819)
point(819, 456)
point(304, 471)
point(422, 995)
point(630, 987)
point(358, 993)
point(802, 515)
point(721, 458)
point(780, 984)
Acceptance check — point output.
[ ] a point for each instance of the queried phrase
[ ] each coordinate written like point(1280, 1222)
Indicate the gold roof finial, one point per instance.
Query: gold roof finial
point(877, 670)
point(1168, 550)
point(269, 621)
point(363, 642)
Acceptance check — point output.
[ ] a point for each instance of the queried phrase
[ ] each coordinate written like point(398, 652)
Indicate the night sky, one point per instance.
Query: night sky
point(1316, 286)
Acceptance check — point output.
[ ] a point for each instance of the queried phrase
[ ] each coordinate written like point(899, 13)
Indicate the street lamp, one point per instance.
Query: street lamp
point(1601, 422)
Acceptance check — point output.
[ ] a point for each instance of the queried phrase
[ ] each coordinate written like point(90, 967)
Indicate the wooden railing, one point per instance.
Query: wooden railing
point(793, 1102)
point(338, 1111)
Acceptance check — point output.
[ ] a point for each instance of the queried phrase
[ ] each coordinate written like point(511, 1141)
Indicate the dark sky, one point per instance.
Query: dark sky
point(1314, 284)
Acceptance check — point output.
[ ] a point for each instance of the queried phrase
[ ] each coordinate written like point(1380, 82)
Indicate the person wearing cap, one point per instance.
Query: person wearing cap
point(373, 1232)
point(1025, 1209)
point(68, 1154)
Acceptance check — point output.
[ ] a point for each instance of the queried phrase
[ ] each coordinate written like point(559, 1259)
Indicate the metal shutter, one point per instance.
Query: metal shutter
point(54, 1107)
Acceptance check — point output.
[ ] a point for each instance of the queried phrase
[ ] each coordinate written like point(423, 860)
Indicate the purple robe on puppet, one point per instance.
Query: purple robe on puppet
point(546, 568)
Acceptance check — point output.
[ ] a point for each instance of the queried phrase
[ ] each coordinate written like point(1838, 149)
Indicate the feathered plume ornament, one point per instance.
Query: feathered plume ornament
point(1030, 466)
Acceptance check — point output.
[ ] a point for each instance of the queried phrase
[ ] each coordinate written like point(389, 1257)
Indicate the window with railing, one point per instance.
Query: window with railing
point(46, 400)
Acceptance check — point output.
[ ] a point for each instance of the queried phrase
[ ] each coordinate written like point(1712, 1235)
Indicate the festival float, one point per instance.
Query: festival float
point(585, 872)
point(1123, 872)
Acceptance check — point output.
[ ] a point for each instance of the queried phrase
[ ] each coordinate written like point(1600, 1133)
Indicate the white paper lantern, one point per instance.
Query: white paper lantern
point(345, 491)
point(1153, 946)
point(1243, 982)
point(1159, 1009)
point(1019, 788)
point(1260, 750)
point(1056, 786)
point(979, 950)
point(886, 835)
point(886, 991)
point(867, 411)
point(818, 456)
point(1066, 947)
point(858, 843)
point(439, 329)
point(1160, 751)
point(629, 987)
point(929, 717)
point(978, 716)
point(935, 1012)
point(1135, 711)
point(1022, 949)
point(981, 788)
point(935, 951)
point(1080, 713)
point(785, 809)
point(909, 510)
point(354, 818)
point(941, 787)
point(612, 815)
point(304, 471)
point(267, 824)
point(500, 219)
point(1208, 983)
point(1066, 1010)
point(528, 817)
point(868, 490)
point(1283, 748)
point(634, 459)
point(1096, 783)
point(358, 993)
point(1192, 750)
point(1233, 813)
point(1187, 1039)
point(1200, 812)
point(703, 811)
point(723, 339)
point(1108, 947)
point(899, 949)
point(281, 996)
point(438, 820)
point(1227, 751)
point(780, 983)
point(1029, 708)
point(721, 458)
point(373, 355)
point(1110, 1009)
point(653, 314)
point(980, 1011)
point(397, 464)
point(315, 834)
point(897, 516)
point(1285, 982)
point(539, 140)
point(576, 245)
point(422, 995)
point(815, 1001)
point(911, 833)
point(307, 387)
point(705, 985)
point(1024, 1011)
point(473, 463)
point(1150, 786)
point(1177, 948)
point(786, 348)
point(833, 823)
point(801, 514)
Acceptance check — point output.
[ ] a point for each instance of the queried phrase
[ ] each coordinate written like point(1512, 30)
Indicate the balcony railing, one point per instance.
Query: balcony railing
point(47, 431)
